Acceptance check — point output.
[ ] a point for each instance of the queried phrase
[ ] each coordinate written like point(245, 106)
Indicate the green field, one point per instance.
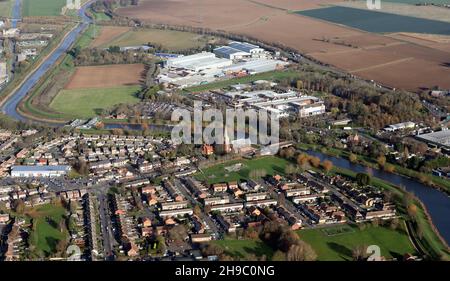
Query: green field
point(168, 39)
point(6, 8)
point(45, 236)
point(272, 165)
point(336, 243)
point(85, 103)
point(42, 7)
point(241, 248)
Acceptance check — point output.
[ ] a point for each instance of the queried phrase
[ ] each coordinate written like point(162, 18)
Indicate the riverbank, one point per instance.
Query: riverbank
point(436, 182)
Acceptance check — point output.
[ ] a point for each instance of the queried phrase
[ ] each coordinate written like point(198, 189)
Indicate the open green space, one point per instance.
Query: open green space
point(337, 243)
point(6, 8)
point(42, 7)
point(47, 221)
point(270, 164)
point(241, 248)
point(85, 103)
point(167, 39)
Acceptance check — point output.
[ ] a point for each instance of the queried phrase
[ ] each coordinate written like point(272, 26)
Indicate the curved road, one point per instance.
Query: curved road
point(10, 105)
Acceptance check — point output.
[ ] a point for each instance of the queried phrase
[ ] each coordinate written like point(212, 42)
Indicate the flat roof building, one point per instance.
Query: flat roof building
point(39, 171)
point(440, 138)
point(230, 53)
point(198, 62)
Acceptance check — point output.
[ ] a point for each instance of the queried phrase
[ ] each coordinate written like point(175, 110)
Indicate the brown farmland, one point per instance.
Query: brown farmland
point(371, 56)
point(107, 76)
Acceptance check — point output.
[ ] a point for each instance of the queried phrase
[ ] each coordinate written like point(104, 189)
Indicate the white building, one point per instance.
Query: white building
point(39, 171)
point(400, 126)
point(198, 62)
point(254, 50)
point(256, 66)
point(231, 53)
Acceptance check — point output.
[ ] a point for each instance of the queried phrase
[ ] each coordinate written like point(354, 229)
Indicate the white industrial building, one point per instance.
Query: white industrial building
point(439, 138)
point(254, 50)
point(231, 53)
point(400, 126)
point(256, 66)
point(39, 171)
point(279, 104)
point(198, 62)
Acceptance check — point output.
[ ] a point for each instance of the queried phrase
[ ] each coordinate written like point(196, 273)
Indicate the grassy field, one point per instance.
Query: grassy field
point(168, 39)
point(87, 37)
point(46, 232)
point(42, 7)
point(271, 75)
point(336, 243)
point(272, 165)
point(85, 103)
point(6, 8)
point(241, 248)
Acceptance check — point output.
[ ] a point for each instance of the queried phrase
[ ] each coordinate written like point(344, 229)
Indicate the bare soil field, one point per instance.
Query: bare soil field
point(107, 34)
point(108, 76)
point(372, 56)
point(439, 42)
point(411, 72)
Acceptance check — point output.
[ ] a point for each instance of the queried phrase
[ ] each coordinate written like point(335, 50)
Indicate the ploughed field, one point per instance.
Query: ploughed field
point(372, 56)
point(92, 89)
point(106, 76)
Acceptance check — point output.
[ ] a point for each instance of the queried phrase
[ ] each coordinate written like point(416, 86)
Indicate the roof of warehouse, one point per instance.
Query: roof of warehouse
point(246, 47)
point(40, 168)
point(228, 50)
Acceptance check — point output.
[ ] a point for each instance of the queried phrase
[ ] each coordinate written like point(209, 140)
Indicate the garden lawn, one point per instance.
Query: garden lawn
point(86, 103)
point(336, 243)
point(271, 164)
point(241, 248)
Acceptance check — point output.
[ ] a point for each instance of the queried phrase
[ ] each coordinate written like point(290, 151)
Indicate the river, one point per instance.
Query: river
point(16, 13)
point(10, 106)
point(436, 202)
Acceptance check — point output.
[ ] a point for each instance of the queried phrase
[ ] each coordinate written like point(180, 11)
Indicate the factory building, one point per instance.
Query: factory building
point(254, 50)
point(231, 53)
point(439, 138)
point(198, 62)
point(255, 66)
point(39, 171)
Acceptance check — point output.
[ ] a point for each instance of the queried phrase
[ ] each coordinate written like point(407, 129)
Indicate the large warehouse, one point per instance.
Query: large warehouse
point(439, 138)
point(39, 171)
point(256, 66)
point(231, 53)
point(198, 62)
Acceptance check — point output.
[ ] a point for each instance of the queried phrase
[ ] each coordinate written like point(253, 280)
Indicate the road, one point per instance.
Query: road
point(9, 106)
point(204, 217)
point(106, 227)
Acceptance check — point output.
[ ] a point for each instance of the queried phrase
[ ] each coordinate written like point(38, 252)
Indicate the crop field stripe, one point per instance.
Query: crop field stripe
point(377, 22)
